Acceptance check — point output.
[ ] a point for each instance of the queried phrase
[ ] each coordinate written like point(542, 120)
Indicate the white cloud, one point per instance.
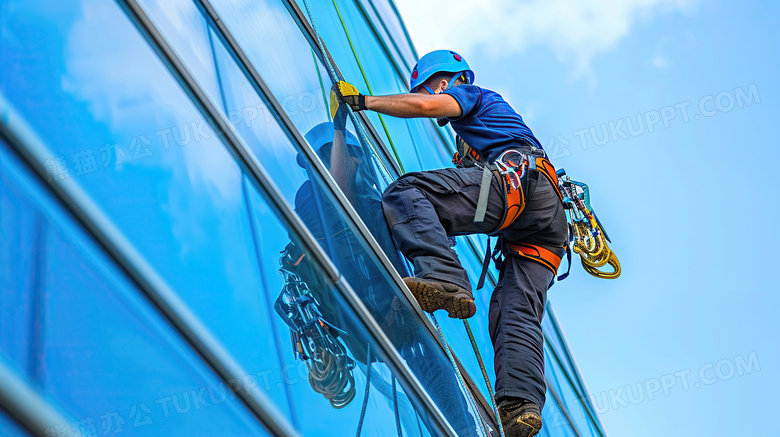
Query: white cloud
point(575, 30)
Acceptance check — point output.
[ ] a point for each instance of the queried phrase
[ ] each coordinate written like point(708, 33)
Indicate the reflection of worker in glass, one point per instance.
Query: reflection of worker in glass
point(342, 154)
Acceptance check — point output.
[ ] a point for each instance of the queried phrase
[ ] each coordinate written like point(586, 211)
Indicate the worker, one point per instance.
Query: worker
point(503, 186)
point(344, 157)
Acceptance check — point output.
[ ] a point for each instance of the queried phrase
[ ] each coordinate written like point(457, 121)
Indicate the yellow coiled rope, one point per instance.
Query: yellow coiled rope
point(589, 240)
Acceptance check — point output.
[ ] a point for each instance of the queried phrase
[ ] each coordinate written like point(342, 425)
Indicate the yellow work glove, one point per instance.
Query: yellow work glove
point(343, 92)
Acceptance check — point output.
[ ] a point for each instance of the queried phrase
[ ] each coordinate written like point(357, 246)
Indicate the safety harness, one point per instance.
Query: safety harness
point(513, 167)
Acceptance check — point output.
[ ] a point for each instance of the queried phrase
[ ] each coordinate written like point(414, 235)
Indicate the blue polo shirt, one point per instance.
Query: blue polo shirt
point(488, 124)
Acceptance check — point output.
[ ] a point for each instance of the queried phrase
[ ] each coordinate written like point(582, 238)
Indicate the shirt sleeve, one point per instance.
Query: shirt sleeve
point(467, 96)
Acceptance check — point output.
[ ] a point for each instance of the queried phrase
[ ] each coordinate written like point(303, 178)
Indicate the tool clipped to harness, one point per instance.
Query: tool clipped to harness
point(586, 233)
point(512, 165)
point(315, 340)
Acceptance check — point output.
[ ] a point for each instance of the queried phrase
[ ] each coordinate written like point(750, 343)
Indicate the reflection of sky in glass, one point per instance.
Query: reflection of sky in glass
point(386, 13)
point(273, 43)
point(91, 332)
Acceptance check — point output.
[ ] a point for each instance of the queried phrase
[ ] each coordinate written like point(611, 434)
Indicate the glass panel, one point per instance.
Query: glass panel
point(583, 404)
point(275, 46)
point(88, 341)
point(387, 12)
point(381, 29)
point(406, 135)
point(370, 57)
point(573, 403)
point(554, 421)
point(556, 379)
point(556, 343)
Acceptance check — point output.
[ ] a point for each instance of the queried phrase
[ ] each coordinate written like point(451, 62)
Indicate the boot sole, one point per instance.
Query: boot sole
point(530, 420)
point(457, 305)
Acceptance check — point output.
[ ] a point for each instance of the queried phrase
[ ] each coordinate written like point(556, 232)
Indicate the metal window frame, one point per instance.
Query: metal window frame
point(24, 406)
point(559, 400)
point(259, 177)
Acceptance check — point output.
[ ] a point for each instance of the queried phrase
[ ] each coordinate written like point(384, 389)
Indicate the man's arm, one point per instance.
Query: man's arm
point(415, 105)
point(342, 166)
point(399, 105)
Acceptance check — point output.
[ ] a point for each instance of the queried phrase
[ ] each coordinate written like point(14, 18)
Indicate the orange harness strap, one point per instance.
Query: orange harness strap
point(515, 198)
point(547, 169)
point(539, 254)
point(515, 203)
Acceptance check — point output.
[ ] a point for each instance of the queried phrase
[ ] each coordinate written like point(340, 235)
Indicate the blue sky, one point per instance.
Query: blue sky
point(664, 107)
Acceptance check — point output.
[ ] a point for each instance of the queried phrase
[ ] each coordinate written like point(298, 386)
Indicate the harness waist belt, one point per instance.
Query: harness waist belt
point(540, 254)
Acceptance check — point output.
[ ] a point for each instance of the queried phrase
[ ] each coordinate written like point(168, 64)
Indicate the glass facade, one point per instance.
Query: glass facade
point(180, 256)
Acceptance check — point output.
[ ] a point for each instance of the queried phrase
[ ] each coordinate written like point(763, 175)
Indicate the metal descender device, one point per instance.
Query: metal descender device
point(512, 164)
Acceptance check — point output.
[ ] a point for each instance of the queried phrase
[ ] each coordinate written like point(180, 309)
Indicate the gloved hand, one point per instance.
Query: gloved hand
point(347, 93)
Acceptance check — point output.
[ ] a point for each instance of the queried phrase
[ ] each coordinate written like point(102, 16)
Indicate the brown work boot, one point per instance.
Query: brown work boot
point(434, 295)
point(520, 418)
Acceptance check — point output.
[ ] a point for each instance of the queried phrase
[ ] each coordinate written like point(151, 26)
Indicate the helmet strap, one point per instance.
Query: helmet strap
point(454, 78)
point(449, 84)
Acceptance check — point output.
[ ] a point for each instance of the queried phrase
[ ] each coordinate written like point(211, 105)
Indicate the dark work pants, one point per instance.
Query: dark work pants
point(424, 208)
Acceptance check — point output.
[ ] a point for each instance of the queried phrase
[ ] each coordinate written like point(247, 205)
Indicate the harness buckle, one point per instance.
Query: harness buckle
point(512, 164)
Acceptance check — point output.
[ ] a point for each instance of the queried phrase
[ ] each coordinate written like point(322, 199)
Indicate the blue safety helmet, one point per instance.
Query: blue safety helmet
point(438, 61)
point(320, 138)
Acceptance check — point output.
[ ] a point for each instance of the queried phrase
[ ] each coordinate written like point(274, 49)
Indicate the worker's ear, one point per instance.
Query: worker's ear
point(443, 85)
